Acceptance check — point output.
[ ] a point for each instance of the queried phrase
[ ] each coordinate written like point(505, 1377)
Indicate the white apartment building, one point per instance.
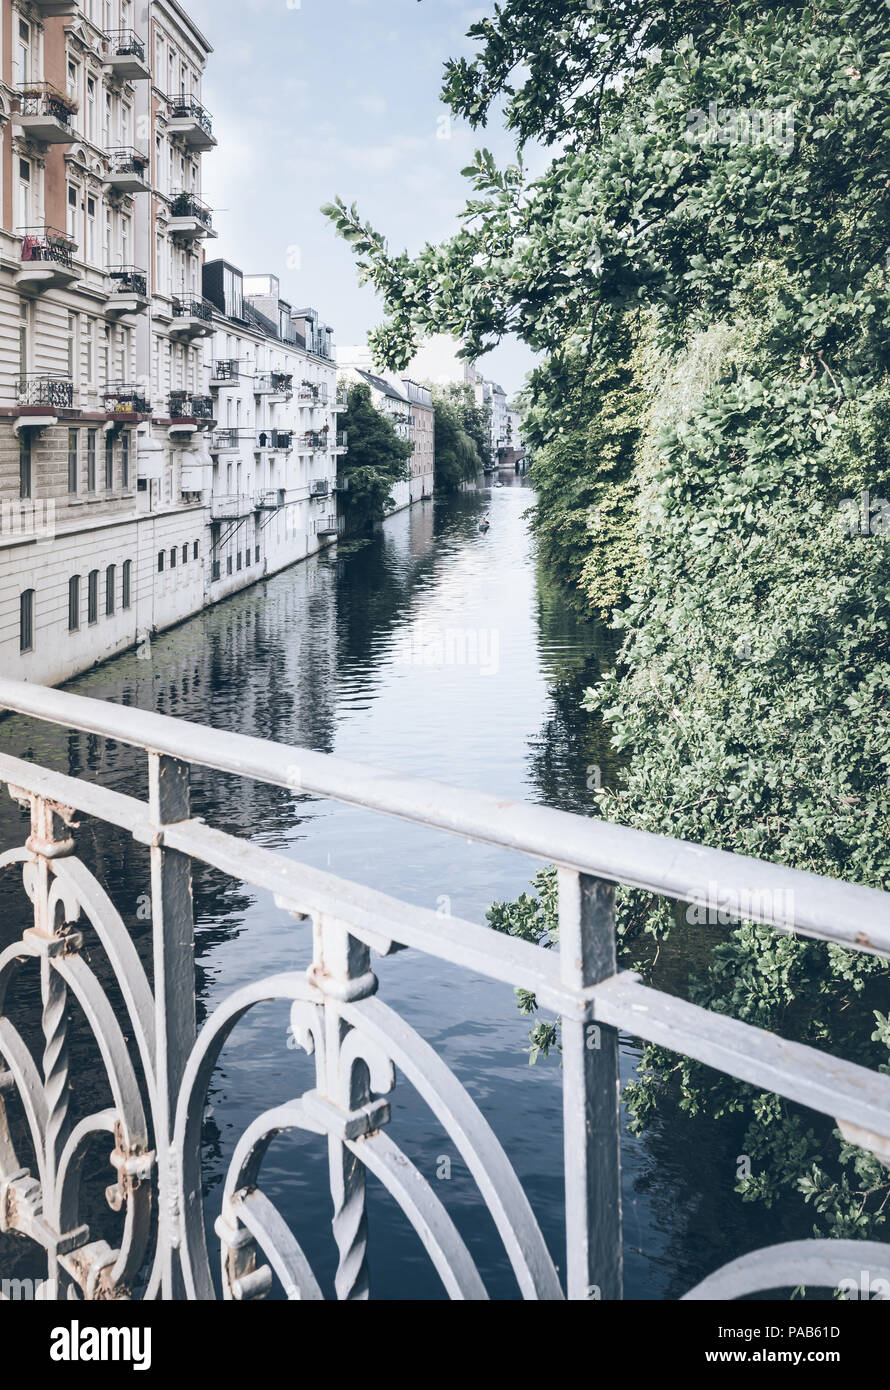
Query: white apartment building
point(102, 128)
point(110, 497)
point(271, 462)
point(494, 397)
point(409, 408)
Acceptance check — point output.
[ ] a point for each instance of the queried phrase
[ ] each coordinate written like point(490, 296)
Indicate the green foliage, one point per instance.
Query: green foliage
point(715, 309)
point(377, 460)
point(461, 437)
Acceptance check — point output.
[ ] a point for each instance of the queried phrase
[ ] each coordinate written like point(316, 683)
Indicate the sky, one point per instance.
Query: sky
point(316, 98)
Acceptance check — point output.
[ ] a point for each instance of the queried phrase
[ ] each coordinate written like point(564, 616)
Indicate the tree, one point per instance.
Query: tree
point(719, 195)
point(459, 457)
point(377, 460)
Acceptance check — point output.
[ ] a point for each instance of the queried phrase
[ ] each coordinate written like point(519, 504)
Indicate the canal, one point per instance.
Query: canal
point(439, 651)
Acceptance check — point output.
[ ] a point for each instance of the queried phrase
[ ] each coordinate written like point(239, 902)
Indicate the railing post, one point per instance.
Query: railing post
point(591, 1084)
point(173, 936)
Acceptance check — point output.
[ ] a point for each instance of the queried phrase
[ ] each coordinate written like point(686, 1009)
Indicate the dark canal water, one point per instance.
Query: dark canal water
point(330, 655)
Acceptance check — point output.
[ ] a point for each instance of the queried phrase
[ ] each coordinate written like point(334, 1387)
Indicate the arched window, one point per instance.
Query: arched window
point(26, 621)
point(93, 597)
point(110, 584)
point(74, 603)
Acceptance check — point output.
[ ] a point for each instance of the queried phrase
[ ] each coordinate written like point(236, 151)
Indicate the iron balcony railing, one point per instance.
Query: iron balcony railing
point(314, 440)
point(187, 205)
point(47, 244)
point(124, 43)
point(123, 398)
point(328, 525)
point(270, 499)
point(282, 439)
point(128, 279)
point(55, 392)
point(228, 506)
point(43, 99)
point(176, 1226)
point(183, 406)
point(126, 159)
point(226, 369)
point(225, 438)
point(183, 106)
point(193, 309)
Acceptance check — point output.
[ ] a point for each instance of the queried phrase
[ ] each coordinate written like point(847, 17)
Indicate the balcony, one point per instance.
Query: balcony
point(341, 400)
point(124, 56)
point(224, 441)
point(319, 487)
point(327, 525)
point(313, 442)
point(127, 402)
point(188, 412)
point(128, 291)
point(275, 439)
point(192, 318)
point(274, 384)
point(190, 121)
point(47, 258)
point(225, 372)
point(230, 506)
point(190, 218)
point(47, 9)
point(129, 171)
point(43, 113)
point(342, 445)
point(39, 398)
point(270, 500)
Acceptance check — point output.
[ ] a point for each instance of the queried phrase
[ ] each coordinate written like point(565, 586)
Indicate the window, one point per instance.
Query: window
point(173, 558)
point(22, 58)
point(91, 460)
point(71, 226)
point(91, 109)
point(195, 556)
point(109, 463)
point(257, 555)
point(74, 603)
point(74, 82)
point(110, 576)
point(91, 231)
point(24, 193)
point(160, 562)
point(126, 583)
point(239, 559)
point(25, 479)
point(228, 564)
point(247, 557)
point(125, 459)
point(93, 597)
point(89, 343)
point(185, 554)
point(26, 621)
point(73, 464)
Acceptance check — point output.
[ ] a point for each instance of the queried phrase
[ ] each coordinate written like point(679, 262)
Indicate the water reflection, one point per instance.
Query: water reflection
point(350, 655)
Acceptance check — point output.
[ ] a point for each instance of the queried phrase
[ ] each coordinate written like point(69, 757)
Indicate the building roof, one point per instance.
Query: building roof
point(380, 383)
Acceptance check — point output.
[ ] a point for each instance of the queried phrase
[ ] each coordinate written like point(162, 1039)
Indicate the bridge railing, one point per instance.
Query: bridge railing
point(357, 1042)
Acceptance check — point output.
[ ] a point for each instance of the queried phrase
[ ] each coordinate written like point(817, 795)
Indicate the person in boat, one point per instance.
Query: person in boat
point(484, 523)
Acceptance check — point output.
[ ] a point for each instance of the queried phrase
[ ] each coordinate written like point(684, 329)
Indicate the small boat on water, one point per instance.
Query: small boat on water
point(484, 525)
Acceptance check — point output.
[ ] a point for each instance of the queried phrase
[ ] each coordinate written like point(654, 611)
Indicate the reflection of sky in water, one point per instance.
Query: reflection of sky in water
point(342, 656)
